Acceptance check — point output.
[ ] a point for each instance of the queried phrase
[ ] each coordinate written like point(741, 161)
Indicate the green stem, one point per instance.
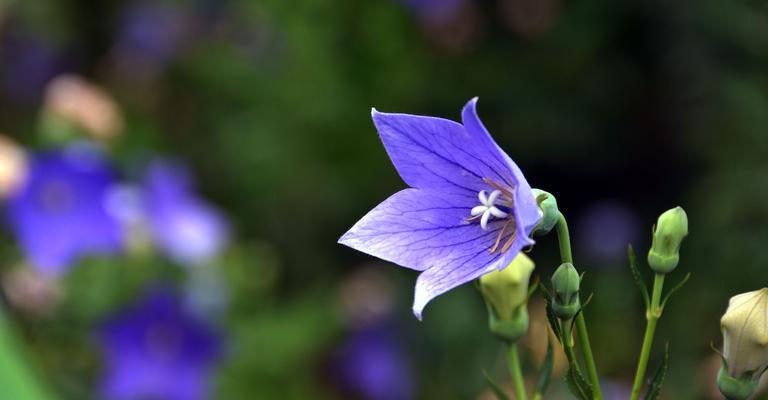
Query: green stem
point(516, 372)
point(566, 256)
point(568, 344)
point(652, 315)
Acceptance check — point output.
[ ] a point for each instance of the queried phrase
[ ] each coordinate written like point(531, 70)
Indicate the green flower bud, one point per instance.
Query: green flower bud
point(548, 205)
point(670, 230)
point(735, 389)
point(566, 282)
point(505, 293)
point(745, 337)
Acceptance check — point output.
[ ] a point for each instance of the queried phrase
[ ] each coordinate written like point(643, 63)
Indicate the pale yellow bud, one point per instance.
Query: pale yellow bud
point(13, 166)
point(507, 289)
point(745, 333)
point(83, 104)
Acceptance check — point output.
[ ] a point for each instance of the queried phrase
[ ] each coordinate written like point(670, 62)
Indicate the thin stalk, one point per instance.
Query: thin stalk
point(566, 256)
point(568, 344)
point(516, 372)
point(652, 315)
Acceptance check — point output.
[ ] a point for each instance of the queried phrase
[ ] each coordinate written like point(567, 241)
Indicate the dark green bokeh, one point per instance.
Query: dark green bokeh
point(645, 104)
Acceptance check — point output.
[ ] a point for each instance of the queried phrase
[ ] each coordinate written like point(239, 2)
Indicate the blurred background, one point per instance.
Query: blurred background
point(176, 174)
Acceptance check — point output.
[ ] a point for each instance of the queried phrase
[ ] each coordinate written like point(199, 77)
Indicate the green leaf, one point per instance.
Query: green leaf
point(636, 275)
point(675, 289)
point(578, 386)
point(495, 387)
point(658, 378)
point(551, 317)
point(545, 376)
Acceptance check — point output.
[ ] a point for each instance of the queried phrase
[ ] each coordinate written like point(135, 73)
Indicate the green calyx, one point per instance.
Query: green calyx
point(512, 329)
point(734, 388)
point(671, 228)
point(548, 205)
point(565, 284)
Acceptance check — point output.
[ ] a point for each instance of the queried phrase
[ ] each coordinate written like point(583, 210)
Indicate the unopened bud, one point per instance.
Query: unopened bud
point(505, 292)
point(745, 335)
point(565, 283)
point(551, 214)
point(670, 230)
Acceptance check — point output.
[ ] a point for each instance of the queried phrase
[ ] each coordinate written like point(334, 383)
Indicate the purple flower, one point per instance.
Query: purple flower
point(183, 226)
point(58, 214)
point(469, 209)
point(149, 36)
point(372, 365)
point(28, 63)
point(158, 350)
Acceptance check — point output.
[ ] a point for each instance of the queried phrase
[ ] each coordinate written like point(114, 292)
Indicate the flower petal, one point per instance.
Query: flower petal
point(454, 272)
point(436, 153)
point(526, 210)
point(421, 229)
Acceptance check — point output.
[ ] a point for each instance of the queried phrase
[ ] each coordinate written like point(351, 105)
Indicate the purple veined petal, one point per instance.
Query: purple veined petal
point(460, 270)
point(527, 213)
point(427, 231)
point(436, 153)
point(420, 229)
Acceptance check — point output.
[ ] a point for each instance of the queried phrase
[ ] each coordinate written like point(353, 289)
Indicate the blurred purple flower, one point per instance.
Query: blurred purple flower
point(58, 213)
point(27, 63)
point(185, 227)
point(371, 364)
point(149, 35)
point(158, 350)
point(469, 209)
point(434, 11)
point(607, 228)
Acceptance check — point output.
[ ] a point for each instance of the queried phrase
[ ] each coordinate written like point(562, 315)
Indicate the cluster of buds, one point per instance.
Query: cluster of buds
point(506, 294)
point(745, 344)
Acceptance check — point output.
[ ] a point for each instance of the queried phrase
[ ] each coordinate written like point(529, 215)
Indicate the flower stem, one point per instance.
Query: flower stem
point(568, 344)
point(566, 256)
point(652, 315)
point(516, 372)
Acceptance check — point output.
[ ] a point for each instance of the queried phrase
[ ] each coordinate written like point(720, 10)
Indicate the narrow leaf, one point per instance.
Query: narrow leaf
point(636, 275)
point(551, 317)
point(658, 378)
point(545, 376)
point(675, 289)
point(578, 386)
point(495, 387)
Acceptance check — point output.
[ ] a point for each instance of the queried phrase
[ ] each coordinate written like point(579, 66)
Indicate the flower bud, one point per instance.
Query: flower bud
point(745, 339)
point(735, 389)
point(670, 230)
point(13, 166)
point(505, 293)
point(548, 205)
point(565, 282)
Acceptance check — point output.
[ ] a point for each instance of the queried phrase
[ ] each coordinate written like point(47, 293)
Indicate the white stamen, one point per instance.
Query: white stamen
point(487, 208)
point(477, 210)
point(498, 213)
point(482, 198)
point(484, 220)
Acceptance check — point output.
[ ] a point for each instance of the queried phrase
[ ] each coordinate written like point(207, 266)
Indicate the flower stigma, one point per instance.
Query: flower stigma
point(496, 205)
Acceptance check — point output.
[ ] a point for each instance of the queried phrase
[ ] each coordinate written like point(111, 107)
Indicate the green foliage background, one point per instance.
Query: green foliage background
point(650, 104)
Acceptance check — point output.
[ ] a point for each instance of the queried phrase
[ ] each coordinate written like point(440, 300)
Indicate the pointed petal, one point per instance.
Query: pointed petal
point(526, 211)
point(458, 271)
point(421, 229)
point(436, 153)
